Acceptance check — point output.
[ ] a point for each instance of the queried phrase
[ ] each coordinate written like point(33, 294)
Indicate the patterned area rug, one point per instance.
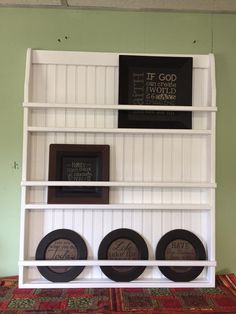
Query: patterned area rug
point(221, 299)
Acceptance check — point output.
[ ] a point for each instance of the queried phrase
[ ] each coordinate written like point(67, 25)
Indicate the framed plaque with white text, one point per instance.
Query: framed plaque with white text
point(150, 80)
point(73, 162)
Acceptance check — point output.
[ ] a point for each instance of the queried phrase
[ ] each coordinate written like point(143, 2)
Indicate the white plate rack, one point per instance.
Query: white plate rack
point(160, 179)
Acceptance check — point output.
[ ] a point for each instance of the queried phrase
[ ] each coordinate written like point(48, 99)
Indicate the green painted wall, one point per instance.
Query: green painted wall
point(114, 31)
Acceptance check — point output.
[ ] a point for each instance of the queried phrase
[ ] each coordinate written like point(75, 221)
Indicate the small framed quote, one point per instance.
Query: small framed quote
point(72, 162)
point(150, 80)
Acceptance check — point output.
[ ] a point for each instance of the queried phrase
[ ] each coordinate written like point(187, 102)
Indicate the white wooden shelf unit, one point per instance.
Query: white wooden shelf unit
point(160, 179)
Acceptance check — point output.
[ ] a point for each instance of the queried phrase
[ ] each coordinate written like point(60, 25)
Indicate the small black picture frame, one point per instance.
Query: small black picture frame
point(61, 244)
point(180, 244)
point(75, 162)
point(123, 244)
point(155, 80)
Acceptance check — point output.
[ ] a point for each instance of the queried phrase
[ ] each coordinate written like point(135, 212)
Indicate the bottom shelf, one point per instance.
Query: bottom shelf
point(29, 276)
point(106, 283)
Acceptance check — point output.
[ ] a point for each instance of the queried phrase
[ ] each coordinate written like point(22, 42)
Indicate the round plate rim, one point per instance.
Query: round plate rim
point(189, 236)
point(135, 237)
point(52, 236)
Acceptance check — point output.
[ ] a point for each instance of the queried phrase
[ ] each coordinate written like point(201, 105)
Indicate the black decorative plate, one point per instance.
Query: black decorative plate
point(180, 244)
point(61, 244)
point(123, 244)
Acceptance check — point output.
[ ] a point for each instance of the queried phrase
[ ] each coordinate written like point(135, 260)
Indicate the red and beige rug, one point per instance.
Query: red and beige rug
point(221, 299)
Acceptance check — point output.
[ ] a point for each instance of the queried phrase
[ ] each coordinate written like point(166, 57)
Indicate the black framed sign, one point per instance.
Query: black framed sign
point(61, 244)
point(123, 244)
point(72, 162)
point(147, 80)
point(180, 244)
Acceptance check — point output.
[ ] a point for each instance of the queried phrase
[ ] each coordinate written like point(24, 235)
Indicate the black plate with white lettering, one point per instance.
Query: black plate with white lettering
point(180, 244)
point(61, 244)
point(123, 244)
